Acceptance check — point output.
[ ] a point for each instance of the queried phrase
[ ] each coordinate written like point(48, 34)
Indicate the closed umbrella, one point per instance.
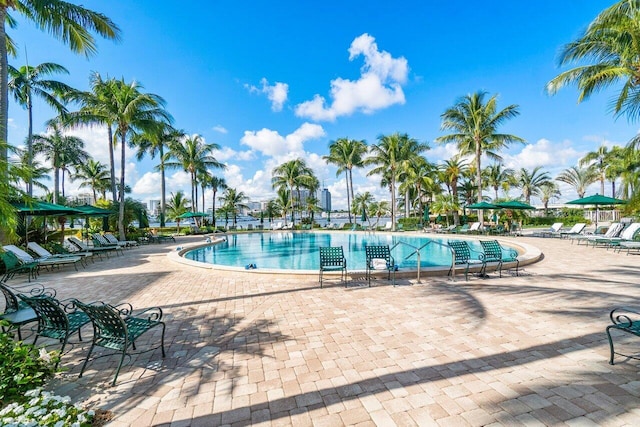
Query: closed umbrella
point(425, 213)
point(363, 217)
point(597, 200)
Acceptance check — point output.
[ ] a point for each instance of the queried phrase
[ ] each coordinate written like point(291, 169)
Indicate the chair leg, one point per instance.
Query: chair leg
point(162, 340)
point(610, 343)
point(115, 377)
point(86, 360)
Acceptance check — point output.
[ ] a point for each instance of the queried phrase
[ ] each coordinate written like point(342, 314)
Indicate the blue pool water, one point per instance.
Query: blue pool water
point(299, 251)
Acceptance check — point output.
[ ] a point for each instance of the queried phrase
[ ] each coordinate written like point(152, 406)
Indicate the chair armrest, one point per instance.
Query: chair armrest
point(621, 316)
point(35, 289)
point(153, 314)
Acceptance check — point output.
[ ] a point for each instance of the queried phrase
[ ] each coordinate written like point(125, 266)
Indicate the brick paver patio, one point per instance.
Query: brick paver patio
point(255, 349)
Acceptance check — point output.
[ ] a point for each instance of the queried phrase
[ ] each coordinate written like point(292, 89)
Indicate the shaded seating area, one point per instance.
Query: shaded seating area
point(117, 328)
point(43, 253)
point(43, 261)
point(81, 246)
point(463, 256)
point(16, 312)
point(378, 258)
point(122, 243)
point(624, 320)
point(332, 259)
point(57, 320)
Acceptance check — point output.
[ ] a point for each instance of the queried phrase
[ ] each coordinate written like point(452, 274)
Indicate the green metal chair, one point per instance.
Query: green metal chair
point(379, 258)
point(56, 319)
point(462, 256)
point(13, 265)
point(332, 259)
point(117, 328)
point(491, 254)
point(494, 251)
point(624, 320)
point(17, 312)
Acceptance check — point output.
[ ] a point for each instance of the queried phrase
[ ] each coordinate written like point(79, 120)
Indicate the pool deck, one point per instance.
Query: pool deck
point(255, 349)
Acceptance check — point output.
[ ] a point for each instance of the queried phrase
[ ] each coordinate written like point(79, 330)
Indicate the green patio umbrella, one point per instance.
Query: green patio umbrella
point(514, 204)
point(193, 215)
point(39, 208)
point(482, 205)
point(597, 200)
point(90, 210)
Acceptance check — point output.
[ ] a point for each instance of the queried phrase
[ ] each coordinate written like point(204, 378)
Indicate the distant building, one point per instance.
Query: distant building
point(83, 199)
point(154, 207)
point(325, 200)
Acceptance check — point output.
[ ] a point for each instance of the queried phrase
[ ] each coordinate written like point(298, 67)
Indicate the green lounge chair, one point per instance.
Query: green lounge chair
point(463, 256)
point(379, 258)
point(117, 328)
point(44, 262)
point(13, 265)
point(332, 259)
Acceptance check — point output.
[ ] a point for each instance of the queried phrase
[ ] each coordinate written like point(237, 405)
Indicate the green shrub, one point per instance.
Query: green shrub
point(22, 367)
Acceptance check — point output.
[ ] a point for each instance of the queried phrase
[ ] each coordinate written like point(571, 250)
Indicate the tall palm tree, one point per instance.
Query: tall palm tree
point(154, 141)
point(380, 209)
point(498, 178)
point(606, 55)
point(420, 180)
point(578, 178)
point(362, 202)
point(293, 175)
point(193, 155)
point(73, 24)
point(176, 206)
point(530, 182)
point(475, 124)
point(597, 161)
point(233, 200)
point(27, 83)
point(283, 202)
point(615, 165)
point(347, 154)
point(445, 203)
point(203, 178)
point(93, 175)
point(216, 184)
point(61, 150)
point(388, 157)
point(548, 192)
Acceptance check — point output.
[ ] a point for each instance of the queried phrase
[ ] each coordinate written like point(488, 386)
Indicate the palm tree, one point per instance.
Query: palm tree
point(361, 203)
point(233, 200)
point(597, 161)
point(615, 165)
point(419, 179)
point(283, 202)
point(73, 24)
point(216, 184)
point(272, 209)
point(496, 177)
point(154, 141)
point(606, 55)
point(530, 182)
point(25, 84)
point(578, 178)
point(94, 175)
point(347, 154)
point(293, 175)
point(475, 124)
point(445, 203)
point(193, 155)
point(61, 150)
point(389, 156)
point(379, 209)
point(176, 206)
point(548, 192)
point(452, 170)
point(203, 178)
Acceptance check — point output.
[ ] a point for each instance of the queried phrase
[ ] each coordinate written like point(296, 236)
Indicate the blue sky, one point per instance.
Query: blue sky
point(272, 81)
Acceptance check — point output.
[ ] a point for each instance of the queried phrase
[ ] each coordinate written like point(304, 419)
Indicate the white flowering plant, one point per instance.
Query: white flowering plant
point(22, 367)
point(42, 408)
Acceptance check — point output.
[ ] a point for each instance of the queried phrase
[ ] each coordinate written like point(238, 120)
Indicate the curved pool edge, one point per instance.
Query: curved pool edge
point(528, 254)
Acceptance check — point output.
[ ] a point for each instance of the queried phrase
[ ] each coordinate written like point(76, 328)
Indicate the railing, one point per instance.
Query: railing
point(416, 252)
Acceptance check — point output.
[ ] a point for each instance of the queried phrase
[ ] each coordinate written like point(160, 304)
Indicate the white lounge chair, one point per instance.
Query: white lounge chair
point(626, 235)
point(45, 254)
point(122, 243)
point(44, 262)
point(277, 225)
point(575, 230)
point(614, 231)
point(555, 228)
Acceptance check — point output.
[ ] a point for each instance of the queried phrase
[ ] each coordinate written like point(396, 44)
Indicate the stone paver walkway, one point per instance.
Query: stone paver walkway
point(251, 349)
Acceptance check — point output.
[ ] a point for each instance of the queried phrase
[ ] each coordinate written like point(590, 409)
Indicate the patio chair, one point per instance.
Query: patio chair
point(578, 238)
point(576, 230)
point(378, 258)
point(463, 256)
point(624, 320)
point(17, 312)
point(100, 242)
point(13, 265)
point(491, 254)
point(493, 249)
point(79, 244)
point(43, 253)
point(118, 328)
point(43, 262)
point(555, 228)
point(277, 225)
point(614, 232)
point(332, 259)
point(70, 249)
point(122, 243)
point(155, 237)
point(56, 319)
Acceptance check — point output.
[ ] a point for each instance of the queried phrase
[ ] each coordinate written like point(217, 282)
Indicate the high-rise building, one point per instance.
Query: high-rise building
point(325, 200)
point(154, 207)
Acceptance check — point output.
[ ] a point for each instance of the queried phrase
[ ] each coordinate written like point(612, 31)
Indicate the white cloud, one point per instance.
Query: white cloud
point(220, 129)
point(379, 85)
point(271, 143)
point(228, 153)
point(543, 153)
point(277, 93)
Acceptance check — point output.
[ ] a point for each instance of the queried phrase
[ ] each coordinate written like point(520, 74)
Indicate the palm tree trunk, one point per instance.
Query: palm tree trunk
point(613, 188)
point(163, 196)
point(213, 208)
point(348, 198)
point(602, 185)
point(479, 183)
point(112, 163)
point(62, 186)
point(393, 203)
point(121, 230)
point(30, 145)
point(193, 192)
point(4, 97)
point(407, 204)
point(56, 184)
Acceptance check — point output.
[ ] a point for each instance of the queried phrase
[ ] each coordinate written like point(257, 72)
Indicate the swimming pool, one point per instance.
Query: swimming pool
point(299, 251)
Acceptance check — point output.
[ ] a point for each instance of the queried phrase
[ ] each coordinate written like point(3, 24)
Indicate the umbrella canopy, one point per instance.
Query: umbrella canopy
point(597, 200)
point(193, 215)
point(482, 205)
point(514, 204)
point(88, 210)
point(38, 208)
